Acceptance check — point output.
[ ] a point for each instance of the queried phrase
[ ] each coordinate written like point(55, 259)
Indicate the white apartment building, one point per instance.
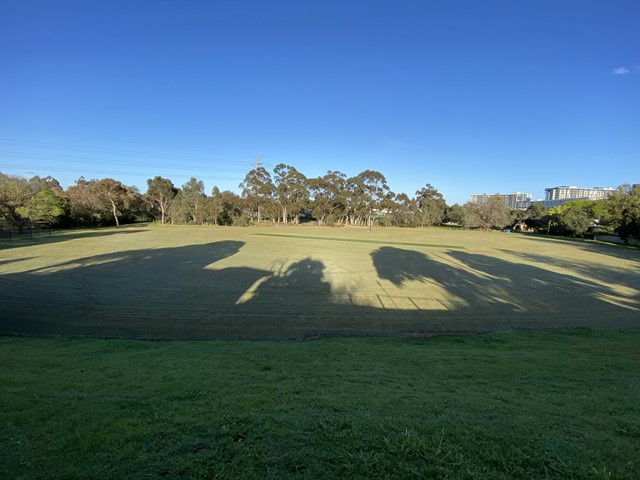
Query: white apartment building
point(515, 200)
point(577, 193)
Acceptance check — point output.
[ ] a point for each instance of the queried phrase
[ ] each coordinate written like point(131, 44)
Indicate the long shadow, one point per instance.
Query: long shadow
point(608, 274)
point(200, 291)
point(483, 286)
point(400, 266)
point(65, 235)
point(620, 251)
point(564, 296)
point(149, 292)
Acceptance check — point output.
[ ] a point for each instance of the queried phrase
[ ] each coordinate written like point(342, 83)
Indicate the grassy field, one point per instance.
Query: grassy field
point(199, 282)
point(558, 403)
point(553, 404)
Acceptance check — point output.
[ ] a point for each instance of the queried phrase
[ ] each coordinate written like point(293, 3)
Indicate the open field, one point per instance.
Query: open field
point(199, 282)
point(519, 405)
point(553, 404)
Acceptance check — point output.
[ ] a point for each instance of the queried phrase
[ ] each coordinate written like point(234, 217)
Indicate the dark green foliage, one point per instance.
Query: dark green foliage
point(456, 214)
point(559, 405)
point(536, 217)
point(572, 221)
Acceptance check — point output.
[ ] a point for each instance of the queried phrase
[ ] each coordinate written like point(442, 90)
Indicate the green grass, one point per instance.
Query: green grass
point(362, 240)
point(501, 406)
point(287, 282)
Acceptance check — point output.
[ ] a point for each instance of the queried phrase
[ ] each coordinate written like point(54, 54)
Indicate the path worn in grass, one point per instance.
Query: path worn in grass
point(206, 282)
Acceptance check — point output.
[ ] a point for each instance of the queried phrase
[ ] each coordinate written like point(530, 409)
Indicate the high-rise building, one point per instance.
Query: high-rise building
point(515, 200)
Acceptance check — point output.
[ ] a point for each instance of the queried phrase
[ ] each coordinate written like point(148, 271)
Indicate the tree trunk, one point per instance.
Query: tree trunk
point(115, 215)
point(162, 212)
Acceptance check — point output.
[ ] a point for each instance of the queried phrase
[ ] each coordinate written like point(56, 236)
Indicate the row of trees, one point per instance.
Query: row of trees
point(288, 196)
point(618, 214)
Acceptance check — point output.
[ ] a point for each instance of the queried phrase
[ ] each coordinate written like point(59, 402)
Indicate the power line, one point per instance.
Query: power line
point(111, 172)
point(64, 146)
point(102, 161)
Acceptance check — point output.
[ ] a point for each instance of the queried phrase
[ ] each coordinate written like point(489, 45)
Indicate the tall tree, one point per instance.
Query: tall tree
point(494, 213)
point(327, 197)
point(571, 219)
point(431, 206)
point(368, 191)
point(291, 191)
point(161, 192)
point(456, 214)
point(15, 192)
point(258, 189)
point(45, 206)
point(111, 195)
point(625, 207)
point(188, 203)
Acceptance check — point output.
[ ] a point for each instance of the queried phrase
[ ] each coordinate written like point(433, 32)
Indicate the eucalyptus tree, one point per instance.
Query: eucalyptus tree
point(367, 192)
point(327, 198)
point(291, 191)
point(430, 205)
point(258, 189)
point(189, 202)
point(110, 197)
point(160, 193)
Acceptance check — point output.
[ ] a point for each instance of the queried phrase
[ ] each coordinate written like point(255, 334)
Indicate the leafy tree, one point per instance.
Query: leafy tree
point(536, 216)
point(258, 189)
point(627, 207)
point(402, 211)
point(80, 199)
point(431, 206)
point(570, 220)
point(45, 206)
point(109, 195)
point(15, 192)
point(456, 214)
point(367, 193)
point(291, 191)
point(494, 213)
point(214, 207)
point(188, 204)
point(161, 192)
point(327, 196)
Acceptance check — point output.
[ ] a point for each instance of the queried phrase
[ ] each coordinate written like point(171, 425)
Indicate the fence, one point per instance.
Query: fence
point(28, 233)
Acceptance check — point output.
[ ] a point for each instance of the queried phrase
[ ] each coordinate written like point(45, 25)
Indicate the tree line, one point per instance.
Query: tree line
point(286, 196)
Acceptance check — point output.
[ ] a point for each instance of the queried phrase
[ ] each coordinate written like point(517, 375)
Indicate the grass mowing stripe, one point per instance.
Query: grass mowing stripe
point(359, 240)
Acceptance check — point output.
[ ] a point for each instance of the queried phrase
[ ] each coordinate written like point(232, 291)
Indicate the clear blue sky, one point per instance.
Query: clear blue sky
point(470, 96)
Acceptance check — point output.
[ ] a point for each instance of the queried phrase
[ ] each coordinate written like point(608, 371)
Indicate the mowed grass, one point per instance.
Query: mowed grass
point(534, 404)
point(553, 404)
point(287, 282)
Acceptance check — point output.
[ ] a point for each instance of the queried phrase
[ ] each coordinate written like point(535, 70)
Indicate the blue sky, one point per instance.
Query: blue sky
point(470, 96)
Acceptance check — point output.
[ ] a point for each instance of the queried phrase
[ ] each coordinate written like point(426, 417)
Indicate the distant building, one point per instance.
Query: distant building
point(569, 193)
point(516, 200)
point(556, 196)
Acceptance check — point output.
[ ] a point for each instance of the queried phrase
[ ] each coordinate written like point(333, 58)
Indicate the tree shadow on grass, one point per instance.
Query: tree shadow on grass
point(66, 235)
point(483, 285)
point(609, 275)
point(625, 252)
point(190, 292)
